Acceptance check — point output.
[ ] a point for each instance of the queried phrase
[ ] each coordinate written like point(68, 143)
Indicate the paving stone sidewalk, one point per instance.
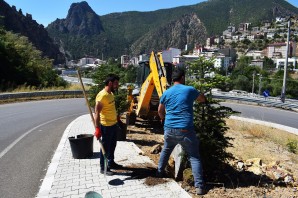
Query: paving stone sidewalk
point(73, 178)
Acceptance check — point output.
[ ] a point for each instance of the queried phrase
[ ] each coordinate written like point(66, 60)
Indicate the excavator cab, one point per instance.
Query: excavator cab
point(153, 78)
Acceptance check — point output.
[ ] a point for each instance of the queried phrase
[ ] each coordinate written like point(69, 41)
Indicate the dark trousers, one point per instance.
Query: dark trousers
point(109, 141)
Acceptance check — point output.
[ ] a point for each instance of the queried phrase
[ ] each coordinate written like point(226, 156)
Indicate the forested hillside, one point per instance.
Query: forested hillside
point(139, 32)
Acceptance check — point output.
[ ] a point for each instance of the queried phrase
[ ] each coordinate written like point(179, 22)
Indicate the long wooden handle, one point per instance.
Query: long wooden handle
point(85, 96)
point(90, 111)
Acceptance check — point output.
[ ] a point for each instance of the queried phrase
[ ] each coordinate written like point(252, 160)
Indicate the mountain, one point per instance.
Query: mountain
point(15, 21)
point(187, 29)
point(140, 32)
point(84, 33)
point(80, 20)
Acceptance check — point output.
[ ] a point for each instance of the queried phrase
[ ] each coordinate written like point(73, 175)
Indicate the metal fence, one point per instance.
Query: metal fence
point(289, 104)
point(28, 95)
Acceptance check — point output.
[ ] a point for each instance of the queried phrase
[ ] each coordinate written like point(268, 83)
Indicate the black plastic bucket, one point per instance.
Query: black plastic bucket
point(81, 146)
point(121, 133)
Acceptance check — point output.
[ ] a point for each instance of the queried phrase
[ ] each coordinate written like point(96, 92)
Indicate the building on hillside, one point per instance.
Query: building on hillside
point(124, 60)
point(243, 27)
point(255, 31)
point(267, 24)
point(72, 63)
point(210, 41)
point(258, 63)
point(280, 19)
point(181, 60)
point(169, 54)
point(255, 54)
point(278, 50)
point(235, 38)
point(99, 62)
point(221, 61)
point(144, 57)
point(198, 50)
point(228, 52)
point(86, 60)
point(270, 35)
point(292, 63)
point(251, 37)
point(228, 33)
point(134, 61)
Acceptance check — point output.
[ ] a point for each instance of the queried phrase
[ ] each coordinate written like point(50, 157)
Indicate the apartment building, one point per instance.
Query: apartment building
point(169, 54)
point(279, 50)
point(292, 63)
point(124, 60)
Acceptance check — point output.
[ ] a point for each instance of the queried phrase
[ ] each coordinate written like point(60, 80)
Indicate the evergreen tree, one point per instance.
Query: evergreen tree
point(210, 118)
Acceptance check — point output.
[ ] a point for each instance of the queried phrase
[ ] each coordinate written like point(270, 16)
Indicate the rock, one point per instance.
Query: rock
point(274, 163)
point(288, 179)
point(240, 165)
point(155, 149)
point(256, 170)
point(254, 161)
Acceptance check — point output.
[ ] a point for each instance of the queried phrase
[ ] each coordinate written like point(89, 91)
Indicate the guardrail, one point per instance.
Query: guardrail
point(28, 95)
point(289, 104)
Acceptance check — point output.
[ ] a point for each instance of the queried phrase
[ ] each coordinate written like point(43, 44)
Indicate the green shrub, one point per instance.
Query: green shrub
point(292, 146)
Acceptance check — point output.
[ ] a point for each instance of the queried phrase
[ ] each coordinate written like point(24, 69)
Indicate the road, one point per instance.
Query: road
point(29, 135)
point(31, 131)
point(279, 116)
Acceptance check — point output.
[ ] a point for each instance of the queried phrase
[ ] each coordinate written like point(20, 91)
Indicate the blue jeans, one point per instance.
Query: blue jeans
point(190, 145)
point(109, 141)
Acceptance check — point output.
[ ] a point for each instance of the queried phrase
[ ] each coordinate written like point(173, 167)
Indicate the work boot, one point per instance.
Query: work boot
point(108, 173)
point(114, 165)
point(200, 191)
point(160, 174)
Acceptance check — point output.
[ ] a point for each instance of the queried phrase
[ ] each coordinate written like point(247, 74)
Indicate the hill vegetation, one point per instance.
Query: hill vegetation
point(134, 33)
point(22, 64)
point(17, 22)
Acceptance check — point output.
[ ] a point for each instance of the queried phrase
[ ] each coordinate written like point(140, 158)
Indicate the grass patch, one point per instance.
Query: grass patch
point(255, 140)
point(258, 131)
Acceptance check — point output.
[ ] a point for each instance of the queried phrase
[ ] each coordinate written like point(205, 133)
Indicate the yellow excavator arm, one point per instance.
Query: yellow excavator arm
point(156, 79)
point(145, 105)
point(158, 73)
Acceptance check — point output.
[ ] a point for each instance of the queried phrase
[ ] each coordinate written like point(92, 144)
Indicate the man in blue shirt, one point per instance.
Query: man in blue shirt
point(176, 106)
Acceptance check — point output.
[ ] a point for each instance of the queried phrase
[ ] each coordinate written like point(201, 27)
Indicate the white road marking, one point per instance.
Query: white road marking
point(28, 132)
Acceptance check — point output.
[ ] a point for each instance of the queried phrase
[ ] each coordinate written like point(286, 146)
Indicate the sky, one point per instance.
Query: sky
point(47, 11)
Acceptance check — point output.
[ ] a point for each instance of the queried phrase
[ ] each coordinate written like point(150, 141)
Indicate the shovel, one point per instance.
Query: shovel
point(92, 118)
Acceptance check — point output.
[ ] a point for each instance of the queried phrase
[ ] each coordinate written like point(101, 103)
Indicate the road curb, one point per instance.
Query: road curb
point(46, 185)
point(270, 124)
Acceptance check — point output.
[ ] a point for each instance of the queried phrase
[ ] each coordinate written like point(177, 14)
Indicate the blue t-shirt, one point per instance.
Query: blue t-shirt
point(178, 101)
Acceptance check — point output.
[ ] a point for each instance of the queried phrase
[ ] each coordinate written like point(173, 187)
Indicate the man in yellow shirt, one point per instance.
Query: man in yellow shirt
point(106, 122)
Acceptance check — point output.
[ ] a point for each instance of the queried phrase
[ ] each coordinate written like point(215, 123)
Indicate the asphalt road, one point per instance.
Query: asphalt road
point(29, 135)
point(279, 116)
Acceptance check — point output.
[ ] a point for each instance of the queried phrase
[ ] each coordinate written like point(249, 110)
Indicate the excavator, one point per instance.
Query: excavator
point(154, 77)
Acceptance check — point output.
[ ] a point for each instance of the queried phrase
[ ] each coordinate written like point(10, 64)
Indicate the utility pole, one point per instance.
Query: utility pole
point(260, 84)
point(283, 90)
point(253, 83)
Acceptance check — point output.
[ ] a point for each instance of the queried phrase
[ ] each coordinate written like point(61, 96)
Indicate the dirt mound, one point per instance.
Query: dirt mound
point(229, 180)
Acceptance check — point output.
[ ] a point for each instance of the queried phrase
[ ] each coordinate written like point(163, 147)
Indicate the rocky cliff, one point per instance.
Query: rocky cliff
point(17, 22)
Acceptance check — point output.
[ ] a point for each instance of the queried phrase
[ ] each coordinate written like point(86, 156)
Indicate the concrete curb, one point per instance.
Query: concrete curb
point(49, 177)
point(270, 124)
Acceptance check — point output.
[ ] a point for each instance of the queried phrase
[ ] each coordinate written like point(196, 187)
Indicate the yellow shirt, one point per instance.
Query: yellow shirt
point(108, 115)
